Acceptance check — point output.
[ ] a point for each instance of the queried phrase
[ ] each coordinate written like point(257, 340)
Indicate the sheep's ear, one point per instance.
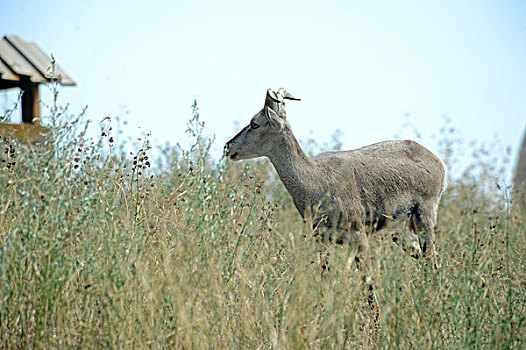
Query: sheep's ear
point(273, 118)
point(271, 94)
point(272, 100)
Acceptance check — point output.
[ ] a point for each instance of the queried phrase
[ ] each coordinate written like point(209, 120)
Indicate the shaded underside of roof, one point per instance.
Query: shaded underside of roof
point(20, 60)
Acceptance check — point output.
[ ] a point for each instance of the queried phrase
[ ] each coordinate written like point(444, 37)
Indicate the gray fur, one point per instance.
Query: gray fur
point(351, 192)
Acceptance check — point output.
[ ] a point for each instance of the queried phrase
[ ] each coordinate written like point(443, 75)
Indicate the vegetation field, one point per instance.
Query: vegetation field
point(101, 248)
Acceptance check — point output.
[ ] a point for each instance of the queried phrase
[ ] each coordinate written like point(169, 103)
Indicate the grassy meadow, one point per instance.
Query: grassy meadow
point(101, 248)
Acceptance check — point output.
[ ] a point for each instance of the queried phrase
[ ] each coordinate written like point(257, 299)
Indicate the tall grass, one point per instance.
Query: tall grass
point(100, 251)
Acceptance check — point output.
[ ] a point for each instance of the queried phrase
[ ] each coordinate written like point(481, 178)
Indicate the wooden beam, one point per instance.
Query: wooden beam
point(7, 84)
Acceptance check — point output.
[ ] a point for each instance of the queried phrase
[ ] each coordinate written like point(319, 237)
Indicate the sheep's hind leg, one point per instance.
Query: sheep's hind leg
point(425, 222)
point(409, 242)
point(404, 235)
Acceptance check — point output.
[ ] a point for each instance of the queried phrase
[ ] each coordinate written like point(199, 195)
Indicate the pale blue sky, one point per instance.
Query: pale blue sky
point(359, 66)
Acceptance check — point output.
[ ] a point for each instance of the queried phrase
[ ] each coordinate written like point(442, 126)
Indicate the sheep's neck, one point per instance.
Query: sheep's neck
point(297, 171)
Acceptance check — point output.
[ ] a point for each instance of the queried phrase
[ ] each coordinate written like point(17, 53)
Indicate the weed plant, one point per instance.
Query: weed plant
point(98, 250)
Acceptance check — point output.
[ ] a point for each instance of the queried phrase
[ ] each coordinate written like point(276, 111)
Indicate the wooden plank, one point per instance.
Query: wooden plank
point(39, 59)
point(13, 58)
point(6, 73)
point(64, 78)
point(18, 63)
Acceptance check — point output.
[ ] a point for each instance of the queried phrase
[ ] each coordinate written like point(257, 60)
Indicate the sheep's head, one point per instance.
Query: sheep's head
point(260, 136)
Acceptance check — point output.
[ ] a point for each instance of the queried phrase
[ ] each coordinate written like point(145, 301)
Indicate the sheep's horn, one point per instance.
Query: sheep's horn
point(274, 98)
point(285, 95)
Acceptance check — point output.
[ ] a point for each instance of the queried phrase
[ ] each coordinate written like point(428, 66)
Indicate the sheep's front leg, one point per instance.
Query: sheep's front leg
point(363, 254)
point(357, 239)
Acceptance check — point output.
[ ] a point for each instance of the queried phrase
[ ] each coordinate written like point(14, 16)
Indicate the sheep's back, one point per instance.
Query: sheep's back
point(387, 176)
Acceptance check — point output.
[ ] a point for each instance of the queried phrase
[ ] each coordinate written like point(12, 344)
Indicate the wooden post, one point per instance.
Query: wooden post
point(30, 103)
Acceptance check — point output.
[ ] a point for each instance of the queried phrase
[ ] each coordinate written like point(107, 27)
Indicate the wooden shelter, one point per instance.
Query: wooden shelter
point(25, 66)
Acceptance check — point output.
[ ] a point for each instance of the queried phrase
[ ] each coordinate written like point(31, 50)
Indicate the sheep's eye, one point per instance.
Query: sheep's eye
point(254, 125)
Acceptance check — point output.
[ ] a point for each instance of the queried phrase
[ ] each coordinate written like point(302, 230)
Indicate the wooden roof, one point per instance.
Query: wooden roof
point(20, 60)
